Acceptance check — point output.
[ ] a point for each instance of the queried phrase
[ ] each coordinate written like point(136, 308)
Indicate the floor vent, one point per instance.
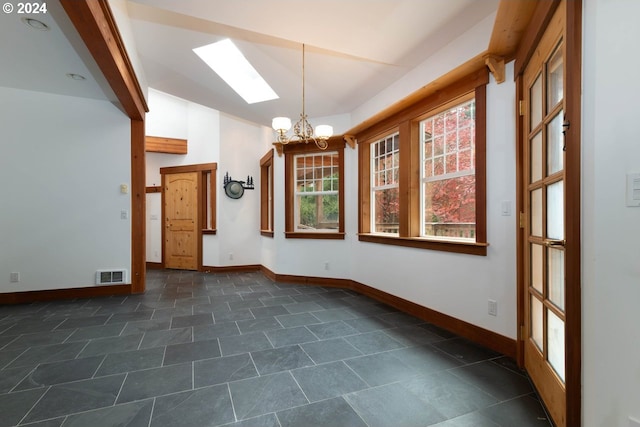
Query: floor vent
point(111, 277)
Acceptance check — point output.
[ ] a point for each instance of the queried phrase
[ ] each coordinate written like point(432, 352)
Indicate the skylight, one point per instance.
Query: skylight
point(228, 62)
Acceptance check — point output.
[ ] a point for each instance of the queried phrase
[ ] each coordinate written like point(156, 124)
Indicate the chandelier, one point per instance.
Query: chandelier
point(302, 129)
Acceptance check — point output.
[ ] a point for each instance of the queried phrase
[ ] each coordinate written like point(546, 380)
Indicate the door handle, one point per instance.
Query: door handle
point(553, 242)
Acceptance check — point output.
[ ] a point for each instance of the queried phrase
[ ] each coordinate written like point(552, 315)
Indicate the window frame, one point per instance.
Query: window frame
point(407, 123)
point(290, 151)
point(266, 194)
point(375, 188)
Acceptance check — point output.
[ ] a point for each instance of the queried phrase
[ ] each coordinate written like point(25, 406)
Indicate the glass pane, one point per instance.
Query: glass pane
point(386, 211)
point(536, 322)
point(536, 157)
point(556, 277)
point(536, 267)
point(308, 212)
point(450, 208)
point(555, 343)
point(555, 143)
point(555, 210)
point(536, 103)
point(536, 212)
point(555, 79)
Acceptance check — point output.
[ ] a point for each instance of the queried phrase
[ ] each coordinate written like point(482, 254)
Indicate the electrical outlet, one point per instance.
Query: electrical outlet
point(230, 256)
point(124, 214)
point(493, 307)
point(14, 277)
point(326, 265)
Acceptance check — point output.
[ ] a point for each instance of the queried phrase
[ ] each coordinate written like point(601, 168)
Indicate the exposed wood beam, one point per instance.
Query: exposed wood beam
point(158, 144)
point(512, 19)
point(94, 22)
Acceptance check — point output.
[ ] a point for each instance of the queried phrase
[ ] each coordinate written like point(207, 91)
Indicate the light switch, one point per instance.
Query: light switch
point(124, 188)
point(506, 208)
point(633, 189)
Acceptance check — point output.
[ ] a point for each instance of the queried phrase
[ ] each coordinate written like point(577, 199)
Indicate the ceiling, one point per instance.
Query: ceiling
point(354, 49)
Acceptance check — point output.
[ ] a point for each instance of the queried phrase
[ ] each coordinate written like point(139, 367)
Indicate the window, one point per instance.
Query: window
point(266, 194)
point(448, 173)
point(385, 209)
point(314, 199)
point(422, 172)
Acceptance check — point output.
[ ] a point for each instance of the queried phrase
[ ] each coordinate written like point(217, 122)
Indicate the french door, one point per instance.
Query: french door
point(545, 242)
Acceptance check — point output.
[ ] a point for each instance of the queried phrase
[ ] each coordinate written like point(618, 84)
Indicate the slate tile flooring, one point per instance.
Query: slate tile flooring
point(239, 350)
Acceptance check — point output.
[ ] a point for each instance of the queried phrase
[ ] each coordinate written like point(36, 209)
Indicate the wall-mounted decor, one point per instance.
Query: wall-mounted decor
point(235, 189)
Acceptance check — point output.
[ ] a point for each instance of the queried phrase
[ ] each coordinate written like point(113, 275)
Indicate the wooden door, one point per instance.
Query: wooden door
point(545, 240)
point(181, 220)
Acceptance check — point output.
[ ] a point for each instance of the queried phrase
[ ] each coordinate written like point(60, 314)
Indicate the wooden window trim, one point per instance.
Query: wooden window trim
point(266, 187)
point(406, 122)
point(335, 144)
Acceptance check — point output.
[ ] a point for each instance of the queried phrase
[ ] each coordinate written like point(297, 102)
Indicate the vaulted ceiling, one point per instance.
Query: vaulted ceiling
point(354, 49)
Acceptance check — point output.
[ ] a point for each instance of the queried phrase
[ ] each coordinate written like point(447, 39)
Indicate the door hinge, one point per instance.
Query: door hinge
point(521, 107)
point(521, 220)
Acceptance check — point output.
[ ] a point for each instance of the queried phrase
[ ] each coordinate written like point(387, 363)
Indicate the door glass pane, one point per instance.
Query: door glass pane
point(536, 212)
point(556, 277)
point(555, 344)
point(536, 157)
point(555, 210)
point(536, 103)
point(536, 322)
point(555, 143)
point(536, 267)
point(555, 79)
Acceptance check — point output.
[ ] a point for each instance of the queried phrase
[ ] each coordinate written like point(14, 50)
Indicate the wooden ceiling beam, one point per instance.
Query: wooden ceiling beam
point(95, 24)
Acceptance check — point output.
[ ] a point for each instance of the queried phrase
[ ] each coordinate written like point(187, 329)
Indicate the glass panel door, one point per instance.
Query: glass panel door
point(544, 246)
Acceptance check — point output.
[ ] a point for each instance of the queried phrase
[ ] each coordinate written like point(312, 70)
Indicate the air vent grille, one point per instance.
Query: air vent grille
point(111, 277)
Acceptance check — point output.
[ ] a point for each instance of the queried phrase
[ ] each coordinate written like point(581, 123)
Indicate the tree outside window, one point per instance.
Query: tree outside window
point(448, 173)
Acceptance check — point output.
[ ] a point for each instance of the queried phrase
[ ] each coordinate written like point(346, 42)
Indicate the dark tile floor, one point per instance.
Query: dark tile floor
point(240, 350)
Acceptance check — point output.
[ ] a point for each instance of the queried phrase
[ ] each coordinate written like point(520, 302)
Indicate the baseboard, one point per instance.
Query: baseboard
point(484, 337)
point(60, 294)
point(231, 268)
point(155, 265)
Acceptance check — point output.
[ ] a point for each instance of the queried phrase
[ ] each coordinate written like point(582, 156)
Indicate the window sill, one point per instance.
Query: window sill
point(303, 235)
point(266, 233)
point(471, 248)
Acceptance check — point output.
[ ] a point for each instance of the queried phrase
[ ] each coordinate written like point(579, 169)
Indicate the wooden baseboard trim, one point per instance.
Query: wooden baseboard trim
point(60, 294)
point(155, 265)
point(231, 268)
point(484, 337)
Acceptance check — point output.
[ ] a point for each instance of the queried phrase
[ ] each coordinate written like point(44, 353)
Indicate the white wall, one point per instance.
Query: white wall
point(459, 284)
point(236, 146)
point(63, 160)
point(611, 262)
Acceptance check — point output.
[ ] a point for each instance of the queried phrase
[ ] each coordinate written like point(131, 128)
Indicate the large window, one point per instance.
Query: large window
point(316, 191)
point(448, 173)
point(385, 157)
point(422, 172)
point(314, 182)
